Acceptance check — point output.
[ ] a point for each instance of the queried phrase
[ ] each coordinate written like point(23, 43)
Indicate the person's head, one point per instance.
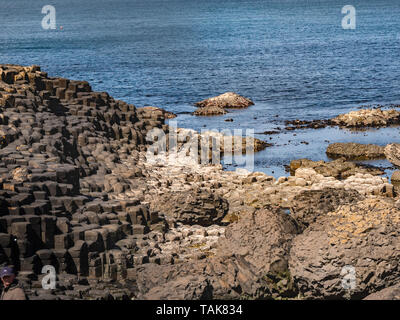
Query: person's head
point(7, 276)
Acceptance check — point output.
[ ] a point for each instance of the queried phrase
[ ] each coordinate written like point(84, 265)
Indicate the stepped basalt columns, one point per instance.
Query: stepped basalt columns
point(62, 147)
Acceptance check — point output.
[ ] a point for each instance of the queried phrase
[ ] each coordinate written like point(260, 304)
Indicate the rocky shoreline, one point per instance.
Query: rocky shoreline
point(77, 191)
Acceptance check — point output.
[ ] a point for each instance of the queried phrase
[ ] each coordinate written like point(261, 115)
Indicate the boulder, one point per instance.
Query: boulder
point(226, 100)
point(255, 237)
point(391, 293)
point(308, 205)
point(195, 206)
point(367, 118)
point(395, 177)
point(392, 153)
point(360, 240)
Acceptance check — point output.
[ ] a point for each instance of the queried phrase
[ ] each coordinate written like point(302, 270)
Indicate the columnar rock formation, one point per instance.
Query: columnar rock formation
point(61, 166)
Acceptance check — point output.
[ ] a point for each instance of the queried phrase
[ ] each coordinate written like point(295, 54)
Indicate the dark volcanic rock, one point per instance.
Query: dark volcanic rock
point(363, 237)
point(196, 206)
point(250, 263)
point(62, 147)
point(311, 204)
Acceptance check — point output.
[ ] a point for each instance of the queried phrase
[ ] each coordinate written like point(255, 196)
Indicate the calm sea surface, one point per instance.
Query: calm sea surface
point(291, 57)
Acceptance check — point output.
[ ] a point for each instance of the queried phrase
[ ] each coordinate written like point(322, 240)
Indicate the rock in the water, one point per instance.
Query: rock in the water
point(362, 237)
point(235, 144)
point(355, 151)
point(368, 118)
point(226, 100)
point(210, 110)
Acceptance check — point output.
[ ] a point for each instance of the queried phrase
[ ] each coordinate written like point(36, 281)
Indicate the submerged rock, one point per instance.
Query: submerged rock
point(355, 151)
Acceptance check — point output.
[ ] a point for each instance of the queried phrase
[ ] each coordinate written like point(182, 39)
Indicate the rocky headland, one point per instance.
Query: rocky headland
point(78, 191)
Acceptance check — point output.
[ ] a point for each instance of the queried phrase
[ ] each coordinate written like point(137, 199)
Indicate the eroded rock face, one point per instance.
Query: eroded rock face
point(249, 263)
point(368, 118)
point(195, 206)
point(355, 151)
point(392, 153)
point(256, 237)
point(311, 204)
point(364, 236)
point(339, 168)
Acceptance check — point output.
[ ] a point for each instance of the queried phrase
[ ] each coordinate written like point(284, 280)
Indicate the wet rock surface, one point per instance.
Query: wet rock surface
point(211, 110)
point(355, 151)
point(354, 120)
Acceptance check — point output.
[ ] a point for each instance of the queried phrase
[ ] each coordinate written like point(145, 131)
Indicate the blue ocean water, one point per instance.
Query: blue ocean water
point(291, 57)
